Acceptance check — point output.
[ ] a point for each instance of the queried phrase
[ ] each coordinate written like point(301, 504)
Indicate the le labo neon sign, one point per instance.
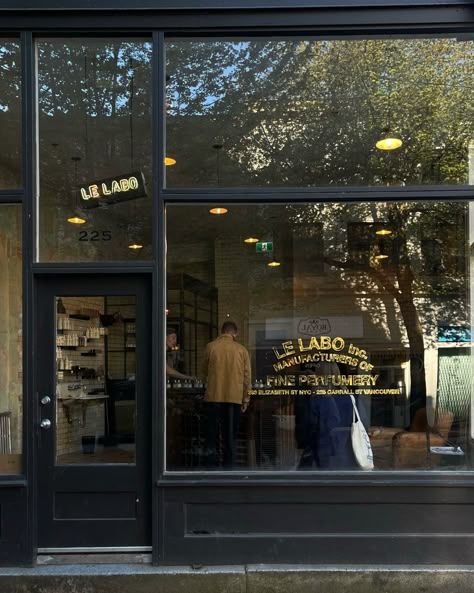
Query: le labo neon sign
point(113, 189)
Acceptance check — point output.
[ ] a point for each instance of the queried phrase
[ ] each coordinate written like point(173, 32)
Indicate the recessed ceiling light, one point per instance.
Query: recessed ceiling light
point(135, 246)
point(383, 232)
point(251, 240)
point(273, 264)
point(218, 210)
point(381, 256)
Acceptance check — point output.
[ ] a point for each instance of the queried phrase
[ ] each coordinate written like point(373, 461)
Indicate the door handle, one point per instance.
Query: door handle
point(45, 424)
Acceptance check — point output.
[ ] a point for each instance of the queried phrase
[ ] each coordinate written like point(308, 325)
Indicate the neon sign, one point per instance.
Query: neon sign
point(113, 189)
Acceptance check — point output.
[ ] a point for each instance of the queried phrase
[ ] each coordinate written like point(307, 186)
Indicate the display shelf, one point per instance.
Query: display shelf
point(187, 317)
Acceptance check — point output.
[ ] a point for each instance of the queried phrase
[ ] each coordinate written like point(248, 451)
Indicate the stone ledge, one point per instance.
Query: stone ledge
point(132, 578)
point(357, 579)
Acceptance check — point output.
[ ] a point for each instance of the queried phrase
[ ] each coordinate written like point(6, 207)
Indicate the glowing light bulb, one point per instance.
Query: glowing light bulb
point(388, 143)
point(76, 220)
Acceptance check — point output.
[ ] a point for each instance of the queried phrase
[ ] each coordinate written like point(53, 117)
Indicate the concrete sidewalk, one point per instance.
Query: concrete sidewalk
point(133, 578)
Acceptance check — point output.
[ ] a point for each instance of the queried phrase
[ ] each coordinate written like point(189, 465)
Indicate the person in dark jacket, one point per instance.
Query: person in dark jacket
point(330, 433)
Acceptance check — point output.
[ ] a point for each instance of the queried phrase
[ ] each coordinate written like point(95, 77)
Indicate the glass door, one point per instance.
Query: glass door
point(93, 376)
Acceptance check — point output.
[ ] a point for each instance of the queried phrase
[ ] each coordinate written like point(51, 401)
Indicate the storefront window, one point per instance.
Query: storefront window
point(335, 304)
point(94, 104)
point(313, 112)
point(10, 114)
point(10, 341)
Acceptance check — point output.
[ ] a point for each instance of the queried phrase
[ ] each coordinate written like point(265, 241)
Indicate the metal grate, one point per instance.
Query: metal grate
point(454, 381)
point(5, 433)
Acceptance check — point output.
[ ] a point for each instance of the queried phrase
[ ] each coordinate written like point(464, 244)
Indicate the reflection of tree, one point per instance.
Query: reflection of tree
point(10, 114)
point(422, 299)
point(308, 112)
point(302, 113)
point(95, 106)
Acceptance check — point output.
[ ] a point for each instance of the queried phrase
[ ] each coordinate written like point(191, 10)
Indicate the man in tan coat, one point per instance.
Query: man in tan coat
point(227, 368)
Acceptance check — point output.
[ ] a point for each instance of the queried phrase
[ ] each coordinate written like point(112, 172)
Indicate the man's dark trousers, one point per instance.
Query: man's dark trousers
point(226, 417)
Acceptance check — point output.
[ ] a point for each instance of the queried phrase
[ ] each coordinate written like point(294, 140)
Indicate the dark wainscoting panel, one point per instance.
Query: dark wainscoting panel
point(15, 544)
point(318, 525)
point(95, 505)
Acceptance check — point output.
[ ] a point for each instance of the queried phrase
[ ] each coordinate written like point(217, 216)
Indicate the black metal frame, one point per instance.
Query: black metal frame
point(159, 19)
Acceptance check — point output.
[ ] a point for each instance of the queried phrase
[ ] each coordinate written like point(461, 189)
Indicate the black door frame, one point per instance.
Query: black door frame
point(124, 491)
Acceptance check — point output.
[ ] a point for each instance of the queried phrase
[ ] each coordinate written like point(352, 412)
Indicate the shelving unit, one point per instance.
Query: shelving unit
point(73, 334)
point(120, 367)
point(120, 344)
point(192, 310)
point(80, 381)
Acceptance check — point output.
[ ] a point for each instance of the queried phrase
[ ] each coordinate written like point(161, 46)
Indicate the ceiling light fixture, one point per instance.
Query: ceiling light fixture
point(381, 256)
point(383, 232)
point(251, 240)
point(135, 246)
point(169, 161)
point(218, 210)
point(389, 141)
point(273, 264)
point(76, 220)
point(78, 217)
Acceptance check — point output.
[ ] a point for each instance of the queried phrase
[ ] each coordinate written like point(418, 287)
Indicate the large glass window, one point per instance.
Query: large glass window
point(314, 112)
point(10, 114)
point(334, 301)
point(10, 340)
point(94, 103)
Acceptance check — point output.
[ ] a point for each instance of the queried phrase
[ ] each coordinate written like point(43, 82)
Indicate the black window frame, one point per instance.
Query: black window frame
point(160, 21)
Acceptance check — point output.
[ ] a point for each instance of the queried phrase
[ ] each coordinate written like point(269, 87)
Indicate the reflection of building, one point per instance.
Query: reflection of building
point(278, 126)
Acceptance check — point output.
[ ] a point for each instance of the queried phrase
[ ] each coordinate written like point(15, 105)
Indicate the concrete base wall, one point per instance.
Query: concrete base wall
point(238, 579)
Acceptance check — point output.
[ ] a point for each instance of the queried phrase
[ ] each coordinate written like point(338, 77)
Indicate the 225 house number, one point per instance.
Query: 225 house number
point(95, 235)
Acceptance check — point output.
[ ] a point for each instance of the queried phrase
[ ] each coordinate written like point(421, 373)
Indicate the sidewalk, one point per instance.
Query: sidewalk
point(128, 578)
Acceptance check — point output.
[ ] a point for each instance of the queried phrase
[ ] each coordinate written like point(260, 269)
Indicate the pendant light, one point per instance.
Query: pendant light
point(389, 139)
point(383, 248)
point(218, 146)
point(78, 216)
point(134, 227)
point(383, 232)
point(273, 263)
point(77, 220)
point(168, 160)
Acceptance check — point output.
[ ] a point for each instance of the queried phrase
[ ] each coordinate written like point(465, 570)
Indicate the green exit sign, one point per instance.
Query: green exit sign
point(264, 247)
